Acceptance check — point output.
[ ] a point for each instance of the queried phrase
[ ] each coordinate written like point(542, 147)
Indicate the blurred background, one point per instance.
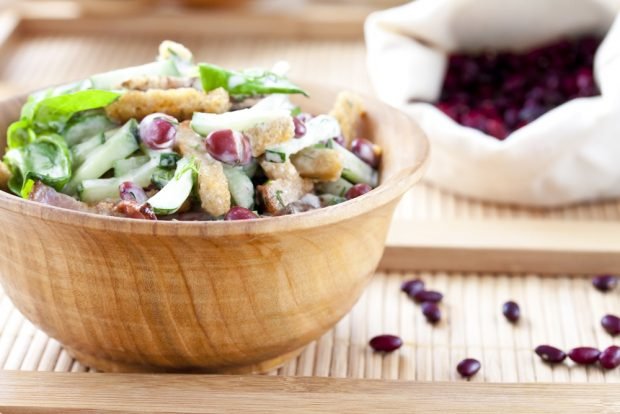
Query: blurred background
point(45, 42)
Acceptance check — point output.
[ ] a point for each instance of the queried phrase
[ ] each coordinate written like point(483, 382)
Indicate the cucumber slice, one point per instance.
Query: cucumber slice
point(251, 168)
point(94, 191)
point(331, 200)
point(240, 187)
point(120, 145)
point(122, 167)
point(320, 128)
point(161, 177)
point(170, 198)
point(203, 123)
point(355, 170)
point(84, 127)
point(337, 188)
point(81, 151)
point(114, 79)
point(169, 160)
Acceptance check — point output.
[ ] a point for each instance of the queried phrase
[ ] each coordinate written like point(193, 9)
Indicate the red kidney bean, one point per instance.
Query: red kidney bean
point(511, 311)
point(498, 93)
point(339, 140)
point(158, 131)
point(550, 354)
point(357, 190)
point(605, 283)
point(300, 126)
point(610, 357)
point(132, 192)
point(427, 296)
point(584, 355)
point(230, 147)
point(413, 286)
point(366, 151)
point(468, 367)
point(611, 323)
point(240, 213)
point(431, 312)
point(386, 343)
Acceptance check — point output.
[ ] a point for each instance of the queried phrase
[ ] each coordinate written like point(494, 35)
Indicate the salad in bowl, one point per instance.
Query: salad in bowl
point(176, 140)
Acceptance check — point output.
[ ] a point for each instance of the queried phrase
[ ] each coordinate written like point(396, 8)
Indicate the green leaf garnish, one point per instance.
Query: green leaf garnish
point(246, 83)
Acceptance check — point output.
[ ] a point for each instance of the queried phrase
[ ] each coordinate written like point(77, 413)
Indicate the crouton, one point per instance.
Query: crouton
point(270, 133)
point(212, 183)
point(349, 112)
point(180, 103)
point(280, 170)
point(322, 164)
point(277, 194)
point(145, 83)
point(286, 171)
point(5, 176)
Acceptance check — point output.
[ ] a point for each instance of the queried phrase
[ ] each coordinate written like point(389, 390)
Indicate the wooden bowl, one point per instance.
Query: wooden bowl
point(221, 297)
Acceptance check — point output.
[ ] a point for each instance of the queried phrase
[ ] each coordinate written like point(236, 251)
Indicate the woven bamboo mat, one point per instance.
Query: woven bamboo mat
point(560, 310)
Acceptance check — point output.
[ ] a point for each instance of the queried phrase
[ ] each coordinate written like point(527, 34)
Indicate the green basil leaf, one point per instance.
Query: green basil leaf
point(247, 83)
point(19, 134)
point(47, 159)
point(54, 112)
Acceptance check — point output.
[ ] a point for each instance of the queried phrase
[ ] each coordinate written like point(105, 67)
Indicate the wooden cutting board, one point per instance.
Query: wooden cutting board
point(114, 393)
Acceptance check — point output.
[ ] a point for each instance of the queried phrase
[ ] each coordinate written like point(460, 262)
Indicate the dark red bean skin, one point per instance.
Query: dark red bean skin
point(431, 312)
point(611, 324)
point(366, 151)
point(605, 283)
point(468, 367)
point(427, 296)
point(386, 343)
point(413, 286)
point(357, 190)
point(610, 357)
point(228, 146)
point(158, 131)
point(550, 354)
point(511, 311)
point(339, 140)
point(240, 213)
point(584, 355)
point(132, 192)
point(300, 126)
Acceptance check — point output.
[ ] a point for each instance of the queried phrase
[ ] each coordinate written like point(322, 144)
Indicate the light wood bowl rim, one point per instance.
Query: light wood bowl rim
point(385, 193)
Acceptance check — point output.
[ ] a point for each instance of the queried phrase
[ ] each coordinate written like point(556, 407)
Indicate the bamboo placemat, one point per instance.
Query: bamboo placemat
point(560, 310)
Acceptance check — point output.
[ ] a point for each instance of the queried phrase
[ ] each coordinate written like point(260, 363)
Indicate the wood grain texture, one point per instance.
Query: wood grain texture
point(113, 393)
point(133, 295)
point(500, 245)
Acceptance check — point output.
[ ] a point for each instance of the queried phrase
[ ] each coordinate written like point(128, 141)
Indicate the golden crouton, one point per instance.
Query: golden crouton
point(276, 170)
point(322, 164)
point(180, 103)
point(277, 194)
point(349, 112)
point(212, 183)
point(5, 176)
point(270, 133)
point(145, 83)
point(286, 171)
